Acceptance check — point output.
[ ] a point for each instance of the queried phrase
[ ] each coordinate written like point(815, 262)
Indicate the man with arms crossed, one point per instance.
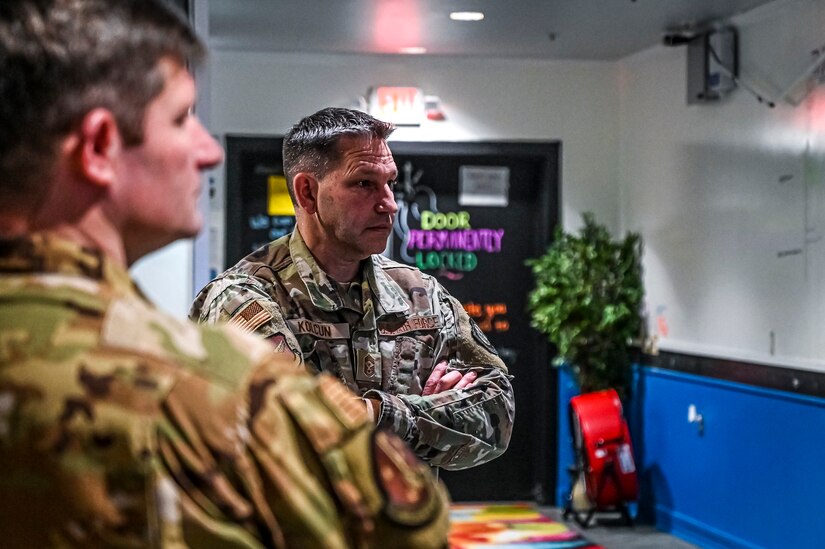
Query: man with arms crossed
point(387, 331)
point(119, 425)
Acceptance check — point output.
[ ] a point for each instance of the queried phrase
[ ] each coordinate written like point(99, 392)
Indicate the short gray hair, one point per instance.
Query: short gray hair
point(309, 146)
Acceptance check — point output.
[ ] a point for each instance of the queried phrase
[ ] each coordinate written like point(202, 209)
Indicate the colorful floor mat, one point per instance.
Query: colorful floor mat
point(511, 526)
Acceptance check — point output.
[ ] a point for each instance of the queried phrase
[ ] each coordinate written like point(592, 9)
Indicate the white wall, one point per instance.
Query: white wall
point(574, 102)
point(165, 277)
point(259, 93)
point(730, 197)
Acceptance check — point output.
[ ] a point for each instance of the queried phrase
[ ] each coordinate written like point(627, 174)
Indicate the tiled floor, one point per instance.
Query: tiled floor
point(622, 536)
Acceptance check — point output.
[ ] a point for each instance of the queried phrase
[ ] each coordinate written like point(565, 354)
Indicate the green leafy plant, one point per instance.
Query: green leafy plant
point(587, 301)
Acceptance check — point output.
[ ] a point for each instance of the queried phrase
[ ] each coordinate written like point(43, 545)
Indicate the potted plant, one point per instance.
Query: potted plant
point(587, 301)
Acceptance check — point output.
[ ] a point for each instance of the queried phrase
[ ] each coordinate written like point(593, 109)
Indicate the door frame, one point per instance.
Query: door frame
point(544, 462)
point(239, 147)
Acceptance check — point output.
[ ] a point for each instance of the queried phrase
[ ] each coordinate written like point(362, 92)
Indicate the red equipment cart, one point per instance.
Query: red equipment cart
point(604, 477)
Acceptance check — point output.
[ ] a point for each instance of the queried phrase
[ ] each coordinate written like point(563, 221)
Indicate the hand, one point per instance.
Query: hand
point(373, 407)
point(438, 382)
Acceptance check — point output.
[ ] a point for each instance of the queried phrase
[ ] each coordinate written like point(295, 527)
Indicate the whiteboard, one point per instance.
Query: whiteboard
point(736, 270)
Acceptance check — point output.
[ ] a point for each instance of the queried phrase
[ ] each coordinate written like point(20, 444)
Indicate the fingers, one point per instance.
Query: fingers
point(466, 379)
point(435, 377)
point(440, 381)
point(447, 382)
point(455, 380)
point(373, 408)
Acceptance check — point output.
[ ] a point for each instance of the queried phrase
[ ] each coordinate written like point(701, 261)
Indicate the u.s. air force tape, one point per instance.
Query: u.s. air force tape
point(411, 324)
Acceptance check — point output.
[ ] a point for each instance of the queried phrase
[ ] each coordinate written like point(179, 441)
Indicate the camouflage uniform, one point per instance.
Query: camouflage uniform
point(121, 426)
point(381, 337)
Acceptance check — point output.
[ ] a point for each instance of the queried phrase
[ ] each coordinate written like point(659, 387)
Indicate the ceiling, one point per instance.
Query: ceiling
point(544, 29)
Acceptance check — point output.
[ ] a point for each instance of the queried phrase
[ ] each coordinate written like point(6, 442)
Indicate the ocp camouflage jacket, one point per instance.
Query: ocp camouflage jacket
point(381, 337)
point(121, 426)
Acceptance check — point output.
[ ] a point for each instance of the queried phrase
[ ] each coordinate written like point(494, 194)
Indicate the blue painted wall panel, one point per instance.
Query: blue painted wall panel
point(755, 477)
point(568, 388)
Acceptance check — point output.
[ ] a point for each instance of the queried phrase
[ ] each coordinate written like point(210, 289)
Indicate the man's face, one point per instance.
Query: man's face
point(160, 179)
point(356, 206)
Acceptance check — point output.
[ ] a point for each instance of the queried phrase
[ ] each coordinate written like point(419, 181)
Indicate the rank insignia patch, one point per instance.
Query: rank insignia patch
point(368, 366)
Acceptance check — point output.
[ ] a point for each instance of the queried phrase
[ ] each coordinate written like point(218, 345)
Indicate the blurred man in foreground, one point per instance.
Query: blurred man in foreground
point(119, 425)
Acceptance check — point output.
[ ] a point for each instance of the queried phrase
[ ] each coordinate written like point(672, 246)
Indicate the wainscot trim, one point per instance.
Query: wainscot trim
point(803, 382)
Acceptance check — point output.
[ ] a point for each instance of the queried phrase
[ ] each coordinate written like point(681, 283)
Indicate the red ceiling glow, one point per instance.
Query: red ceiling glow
point(816, 111)
point(397, 24)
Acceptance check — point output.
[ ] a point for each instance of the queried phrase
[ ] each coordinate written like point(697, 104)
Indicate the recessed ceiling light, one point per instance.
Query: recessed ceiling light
point(466, 16)
point(413, 50)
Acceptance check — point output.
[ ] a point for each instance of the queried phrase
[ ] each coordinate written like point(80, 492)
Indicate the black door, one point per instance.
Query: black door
point(470, 214)
point(453, 223)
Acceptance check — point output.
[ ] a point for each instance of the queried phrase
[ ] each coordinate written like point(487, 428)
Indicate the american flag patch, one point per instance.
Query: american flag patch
point(250, 317)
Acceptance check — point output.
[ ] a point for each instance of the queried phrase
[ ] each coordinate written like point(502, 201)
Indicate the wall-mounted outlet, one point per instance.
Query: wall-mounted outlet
point(695, 417)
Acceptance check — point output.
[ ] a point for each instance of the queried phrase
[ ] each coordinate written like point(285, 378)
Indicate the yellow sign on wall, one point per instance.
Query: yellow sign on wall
point(279, 202)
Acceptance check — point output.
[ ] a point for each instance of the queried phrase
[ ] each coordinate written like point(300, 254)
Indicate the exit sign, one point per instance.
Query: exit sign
point(403, 106)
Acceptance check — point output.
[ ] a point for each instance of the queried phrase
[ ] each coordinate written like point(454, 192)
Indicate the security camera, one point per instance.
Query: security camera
point(677, 38)
point(679, 35)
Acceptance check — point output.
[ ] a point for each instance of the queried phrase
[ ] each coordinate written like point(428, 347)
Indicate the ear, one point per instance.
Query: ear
point(305, 187)
point(98, 143)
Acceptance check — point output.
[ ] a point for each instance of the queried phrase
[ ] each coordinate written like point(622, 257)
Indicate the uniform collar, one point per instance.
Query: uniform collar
point(323, 292)
point(390, 296)
point(48, 254)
